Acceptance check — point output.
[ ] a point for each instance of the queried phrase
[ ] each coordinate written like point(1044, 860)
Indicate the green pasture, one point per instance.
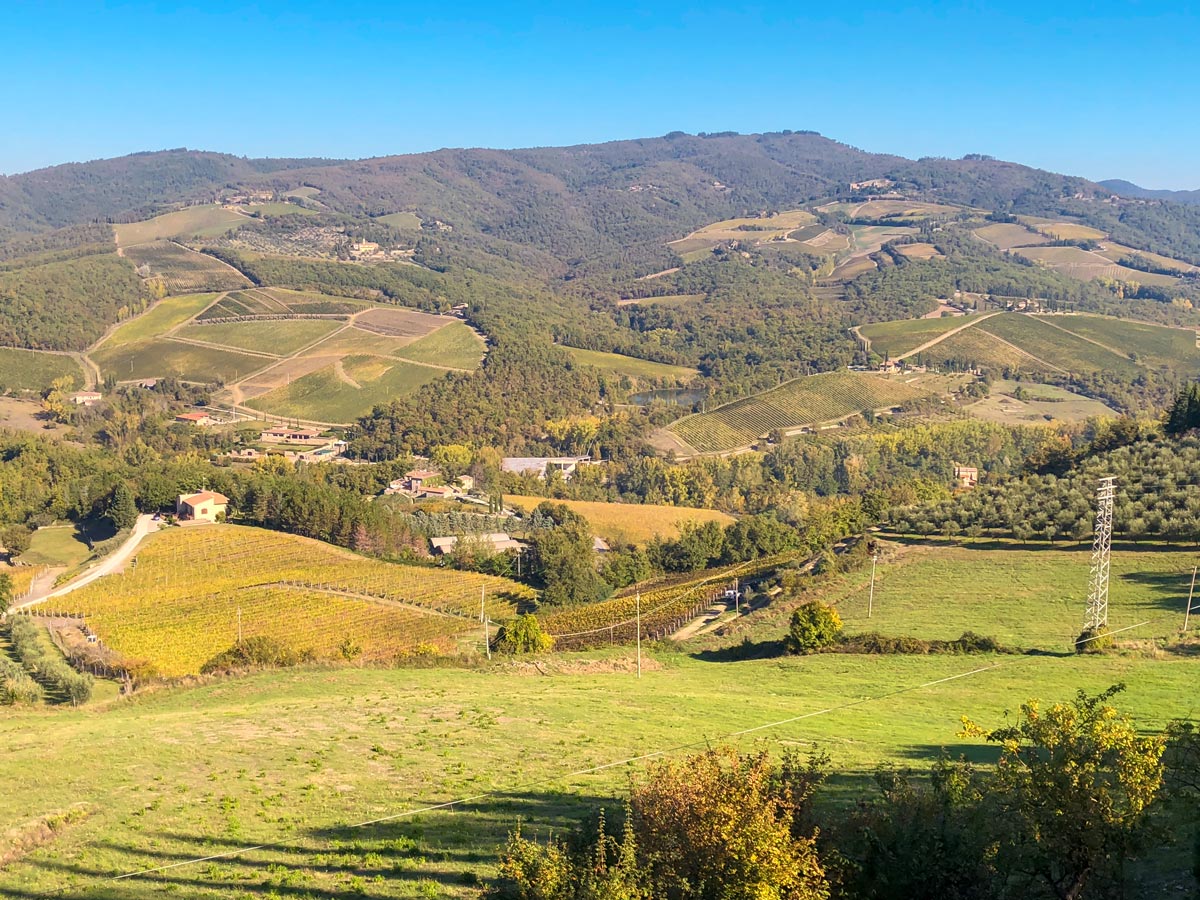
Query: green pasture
point(56, 545)
point(158, 320)
point(1155, 345)
point(1055, 346)
point(31, 370)
point(899, 337)
point(406, 220)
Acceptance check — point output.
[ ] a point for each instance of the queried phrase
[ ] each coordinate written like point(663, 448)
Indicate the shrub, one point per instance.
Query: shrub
point(45, 664)
point(814, 627)
point(253, 652)
point(1094, 640)
point(523, 634)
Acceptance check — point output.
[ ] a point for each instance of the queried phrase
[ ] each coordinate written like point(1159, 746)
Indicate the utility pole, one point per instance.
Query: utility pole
point(1097, 608)
point(737, 598)
point(639, 634)
point(1187, 613)
point(487, 644)
point(871, 593)
point(482, 614)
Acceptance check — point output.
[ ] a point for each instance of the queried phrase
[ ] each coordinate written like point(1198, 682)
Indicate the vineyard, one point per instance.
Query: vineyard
point(807, 401)
point(190, 592)
point(280, 302)
point(664, 609)
point(1055, 346)
point(183, 270)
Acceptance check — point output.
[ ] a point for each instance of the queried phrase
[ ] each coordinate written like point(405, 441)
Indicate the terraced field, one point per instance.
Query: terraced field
point(804, 402)
point(183, 601)
point(185, 271)
point(32, 370)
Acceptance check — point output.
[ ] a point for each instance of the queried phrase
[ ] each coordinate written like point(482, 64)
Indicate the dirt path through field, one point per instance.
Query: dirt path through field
point(971, 322)
point(340, 371)
point(226, 347)
point(370, 598)
point(1046, 321)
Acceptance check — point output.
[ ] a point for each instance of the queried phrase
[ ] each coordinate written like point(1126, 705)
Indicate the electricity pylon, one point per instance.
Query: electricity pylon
point(1097, 608)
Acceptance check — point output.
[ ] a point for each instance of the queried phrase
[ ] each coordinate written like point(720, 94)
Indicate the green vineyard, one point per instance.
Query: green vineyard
point(192, 591)
point(807, 401)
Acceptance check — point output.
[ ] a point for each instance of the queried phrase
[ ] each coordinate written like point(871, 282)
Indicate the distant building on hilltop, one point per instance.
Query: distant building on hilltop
point(966, 476)
point(86, 398)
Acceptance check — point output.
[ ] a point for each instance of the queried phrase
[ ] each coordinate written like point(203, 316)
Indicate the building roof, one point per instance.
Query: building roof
point(95, 394)
point(193, 416)
point(499, 542)
point(422, 474)
point(204, 497)
point(520, 465)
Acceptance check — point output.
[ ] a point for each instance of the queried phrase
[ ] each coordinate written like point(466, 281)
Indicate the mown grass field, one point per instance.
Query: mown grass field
point(186, 271)
point(295, 759)
point(634, 523)
point(617, 364)
point(804, 402)
point(162, 357)
point(327, 395)
point(181, 604)
point(456, 346)
point(199, 221)
point(904, 335)
point(31, 370)
point(56, 545)
point(281, 338)
point(920, 251)
point(164, 315)
point(406, 220)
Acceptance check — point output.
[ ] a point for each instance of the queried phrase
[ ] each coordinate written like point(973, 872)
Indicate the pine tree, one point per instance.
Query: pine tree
point(122, 510)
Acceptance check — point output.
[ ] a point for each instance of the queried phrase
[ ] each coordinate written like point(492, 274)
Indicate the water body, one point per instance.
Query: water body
point(673, 396)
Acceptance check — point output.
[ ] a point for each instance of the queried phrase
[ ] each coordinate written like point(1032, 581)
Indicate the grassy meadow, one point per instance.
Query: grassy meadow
point(455, 346)
point(56, 545)
point(1039, 404)
point(905, 335)
point(32, 370)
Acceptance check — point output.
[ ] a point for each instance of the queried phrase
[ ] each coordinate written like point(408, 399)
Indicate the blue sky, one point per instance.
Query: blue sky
point(1104, 90)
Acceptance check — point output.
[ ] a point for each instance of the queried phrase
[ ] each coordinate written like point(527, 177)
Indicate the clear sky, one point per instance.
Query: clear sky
point(1104, 90)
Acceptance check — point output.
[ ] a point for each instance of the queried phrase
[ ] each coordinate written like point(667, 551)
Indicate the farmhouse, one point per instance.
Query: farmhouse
point(199, 419)
point(966, 476)
point(206, 506)
point(86, 398)
point(540, 466)
point(282, 434)
point(497, 542)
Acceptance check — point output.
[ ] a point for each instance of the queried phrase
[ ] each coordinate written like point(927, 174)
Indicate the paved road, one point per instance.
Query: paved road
point(111, 563)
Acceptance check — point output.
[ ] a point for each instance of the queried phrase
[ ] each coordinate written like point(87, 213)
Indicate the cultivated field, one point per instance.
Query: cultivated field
point(1117, 252)
point(1069, 231)
point(195, 221)
point(291, 760)
point(919, 251)
point(975, 347)
point(179, 606)
point(892, 209)
point(1054, 346)
point(163, 357)
point(32, 370)
point(904, 335)
point(751, 230)
point(1039, 404)
point(617, 364)
point(1005, 236)
point(280, 338)
point(406, 220)
point(627, 522)
point(162, 317)
point(1086, 265)
point(184, 270)
point(281, 302)
point(342, 391)
point(455, 346)
point(1153, 345)
point(804, 402)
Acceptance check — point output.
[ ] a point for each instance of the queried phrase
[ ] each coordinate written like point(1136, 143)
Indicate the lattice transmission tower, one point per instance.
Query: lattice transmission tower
point(1097, 608)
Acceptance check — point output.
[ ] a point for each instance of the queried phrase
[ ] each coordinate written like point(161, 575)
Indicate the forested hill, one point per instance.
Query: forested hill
point(1129, 189)
point(111, 188)
point(560, 198)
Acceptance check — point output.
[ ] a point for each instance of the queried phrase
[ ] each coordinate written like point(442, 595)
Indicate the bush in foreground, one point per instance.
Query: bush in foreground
point(523, 634)
point(1094, 640)
point(814, 627)
point(255, 652)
